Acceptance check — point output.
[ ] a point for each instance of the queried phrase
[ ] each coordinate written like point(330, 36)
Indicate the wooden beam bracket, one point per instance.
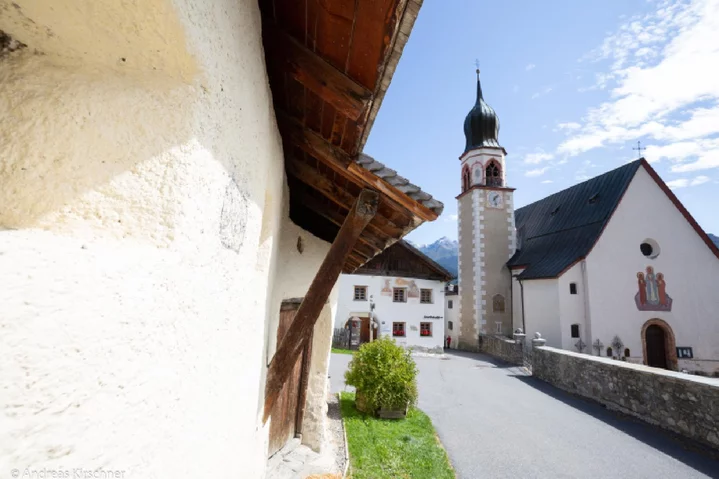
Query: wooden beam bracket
point(301, 329)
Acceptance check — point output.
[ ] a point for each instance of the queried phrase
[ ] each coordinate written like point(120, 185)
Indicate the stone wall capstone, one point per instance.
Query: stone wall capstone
point(684, 404)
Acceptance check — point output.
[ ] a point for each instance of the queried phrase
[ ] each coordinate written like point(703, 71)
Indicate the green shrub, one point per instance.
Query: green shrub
point(384, 374)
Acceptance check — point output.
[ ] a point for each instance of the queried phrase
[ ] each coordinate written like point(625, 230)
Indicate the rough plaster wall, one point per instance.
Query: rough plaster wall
point(571, 309)
point(293, 273)
point(467, 323)
point(497, 280)
point(143, 197)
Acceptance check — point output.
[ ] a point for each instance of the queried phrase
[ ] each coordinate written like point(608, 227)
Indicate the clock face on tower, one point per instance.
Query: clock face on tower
point(494, 199)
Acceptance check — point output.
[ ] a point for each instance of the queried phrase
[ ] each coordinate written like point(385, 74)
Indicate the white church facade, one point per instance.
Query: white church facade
point(613, 266)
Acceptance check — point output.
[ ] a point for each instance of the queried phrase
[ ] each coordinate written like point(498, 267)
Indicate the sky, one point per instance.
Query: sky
point(575, 85)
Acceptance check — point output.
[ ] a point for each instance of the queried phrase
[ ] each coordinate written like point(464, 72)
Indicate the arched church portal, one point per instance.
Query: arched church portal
point(659, 345)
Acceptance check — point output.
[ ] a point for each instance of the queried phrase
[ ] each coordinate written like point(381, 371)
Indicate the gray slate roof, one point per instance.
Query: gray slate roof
point(402, 184)
point(555, 232)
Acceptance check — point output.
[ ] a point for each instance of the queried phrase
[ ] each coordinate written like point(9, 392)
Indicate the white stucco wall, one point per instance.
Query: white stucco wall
point(571, 308)
point(688, 265)
point(387, 311)
point(141, 200)
point(451, 314)
point(541, 310)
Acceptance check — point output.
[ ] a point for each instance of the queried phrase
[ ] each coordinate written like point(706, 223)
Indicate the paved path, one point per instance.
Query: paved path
point(497, 422)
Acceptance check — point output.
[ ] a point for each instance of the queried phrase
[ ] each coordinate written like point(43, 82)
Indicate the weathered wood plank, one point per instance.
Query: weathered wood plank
point(310, 176)
point(312, 142)
point(348, 97)
point(301, 329)
point(393, 193)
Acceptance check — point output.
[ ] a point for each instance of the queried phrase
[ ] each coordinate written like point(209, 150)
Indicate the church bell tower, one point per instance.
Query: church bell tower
point(486, 229)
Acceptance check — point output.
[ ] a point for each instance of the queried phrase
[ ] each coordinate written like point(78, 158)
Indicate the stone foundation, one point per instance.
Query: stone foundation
point(684, 404)
point(502, 348)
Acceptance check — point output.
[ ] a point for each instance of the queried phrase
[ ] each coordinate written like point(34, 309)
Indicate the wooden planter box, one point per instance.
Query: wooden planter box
point(392, 413)
point(361, 405)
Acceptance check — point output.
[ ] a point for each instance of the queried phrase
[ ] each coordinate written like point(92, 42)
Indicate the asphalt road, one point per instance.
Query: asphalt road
point(497, 422)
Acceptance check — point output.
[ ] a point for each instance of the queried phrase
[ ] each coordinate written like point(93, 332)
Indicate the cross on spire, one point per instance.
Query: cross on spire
point(476, 63)
point(639, 148)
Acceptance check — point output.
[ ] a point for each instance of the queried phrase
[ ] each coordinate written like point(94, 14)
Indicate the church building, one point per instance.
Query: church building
point(614, 266)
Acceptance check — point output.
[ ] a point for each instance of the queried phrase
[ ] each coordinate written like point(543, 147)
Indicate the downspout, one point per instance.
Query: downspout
point(521, 296)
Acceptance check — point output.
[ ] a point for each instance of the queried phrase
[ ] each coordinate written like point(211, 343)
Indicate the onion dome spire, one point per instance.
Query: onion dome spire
point(481, 127)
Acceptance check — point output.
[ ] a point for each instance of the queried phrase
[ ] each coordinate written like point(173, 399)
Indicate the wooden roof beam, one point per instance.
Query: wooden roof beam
point(311, 142)
point(309, 69)
point(310, 176)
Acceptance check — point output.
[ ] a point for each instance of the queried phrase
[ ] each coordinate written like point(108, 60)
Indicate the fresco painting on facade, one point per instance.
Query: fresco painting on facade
point(386, 289)
point(652, 294)
point(413, 291)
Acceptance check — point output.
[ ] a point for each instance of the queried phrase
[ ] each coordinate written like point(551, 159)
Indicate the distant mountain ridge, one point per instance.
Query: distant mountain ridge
point(445, 252)
point(714, 238)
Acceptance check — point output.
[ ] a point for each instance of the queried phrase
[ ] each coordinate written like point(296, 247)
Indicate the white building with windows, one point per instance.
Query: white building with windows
point(406, 289)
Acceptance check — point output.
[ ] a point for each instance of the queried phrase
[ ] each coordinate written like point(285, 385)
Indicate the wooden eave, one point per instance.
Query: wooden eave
point(329, 64)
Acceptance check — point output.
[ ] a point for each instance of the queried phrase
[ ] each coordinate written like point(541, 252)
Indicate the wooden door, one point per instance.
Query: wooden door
point(364, 331)
point(656, 350)
point(289, 408)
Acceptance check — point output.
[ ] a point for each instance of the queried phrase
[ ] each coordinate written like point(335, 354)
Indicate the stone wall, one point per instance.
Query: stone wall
point(502, 348)
point(684, 404)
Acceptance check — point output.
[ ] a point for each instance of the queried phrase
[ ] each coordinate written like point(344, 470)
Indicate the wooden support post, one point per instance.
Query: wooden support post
point(301, 329)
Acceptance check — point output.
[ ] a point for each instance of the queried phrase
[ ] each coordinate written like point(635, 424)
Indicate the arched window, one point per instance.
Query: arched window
point(466, 180)
point(498, 303)
point(493, 174)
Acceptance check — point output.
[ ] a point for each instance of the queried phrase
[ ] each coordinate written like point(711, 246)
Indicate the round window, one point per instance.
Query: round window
point(649, 248)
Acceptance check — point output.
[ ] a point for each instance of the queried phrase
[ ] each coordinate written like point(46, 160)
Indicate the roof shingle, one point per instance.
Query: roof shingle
point(555, 232)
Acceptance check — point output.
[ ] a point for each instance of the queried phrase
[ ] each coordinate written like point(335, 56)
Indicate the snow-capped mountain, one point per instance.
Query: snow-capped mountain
point(444, 251)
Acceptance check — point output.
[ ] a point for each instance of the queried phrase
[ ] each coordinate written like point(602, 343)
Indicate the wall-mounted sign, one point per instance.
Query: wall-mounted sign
point(685, 353)
point(433, 317)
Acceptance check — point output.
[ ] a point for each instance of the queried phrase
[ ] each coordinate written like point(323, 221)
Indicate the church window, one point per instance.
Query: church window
point(572, 288)
point(399, 295)
point(465, 178)
point(649, 248)
point(626, 352)
point(425, 329)
point(450, 326)
point(398, 329)
point(360, 293)
point(609, 352)
point(425, 296)
point(575, 330)
point(594, 198)
point(449, 304)
point(498, 303)
point(493, 174)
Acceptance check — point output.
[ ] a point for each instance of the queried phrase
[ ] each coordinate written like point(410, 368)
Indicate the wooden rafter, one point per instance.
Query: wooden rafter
point(312, 142)
point(310, 176)
point(347, 96)
point(301, 329)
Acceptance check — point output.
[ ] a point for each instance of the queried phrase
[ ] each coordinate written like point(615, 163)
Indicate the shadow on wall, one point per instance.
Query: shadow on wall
point(693, 454)
point(112, 124)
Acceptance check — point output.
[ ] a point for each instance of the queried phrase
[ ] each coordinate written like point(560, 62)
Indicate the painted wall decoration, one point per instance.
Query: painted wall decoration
point(652, 294)
point(413, 291)
point(386, 289)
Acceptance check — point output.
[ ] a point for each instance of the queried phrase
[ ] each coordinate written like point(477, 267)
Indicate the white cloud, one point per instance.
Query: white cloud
point(542, 92)
point(536, 172)
point(662, 85)
point(684, 182)
point(450, 218)
point(680, 183)
point(547, 181)
point(537, 157)
point(530, 67)
point(571, 125)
